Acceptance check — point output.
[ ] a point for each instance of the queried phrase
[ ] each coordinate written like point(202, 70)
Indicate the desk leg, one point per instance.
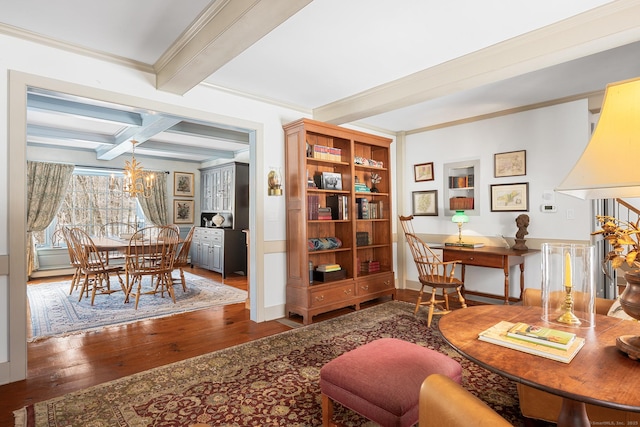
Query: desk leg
point(462, 272)
point(521, 280)
point(573, 414)
point(506, 283)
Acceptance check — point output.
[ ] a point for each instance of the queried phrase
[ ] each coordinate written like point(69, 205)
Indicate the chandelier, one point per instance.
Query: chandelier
point(137, 182)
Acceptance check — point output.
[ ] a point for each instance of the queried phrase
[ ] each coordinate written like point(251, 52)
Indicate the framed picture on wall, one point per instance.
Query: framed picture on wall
point(423, 172)
point(513, 163)
point(183, 211)
point(183, 184)
point(425, 203)
point(510, 197)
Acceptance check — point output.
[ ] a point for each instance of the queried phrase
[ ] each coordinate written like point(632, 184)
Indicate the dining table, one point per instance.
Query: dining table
point(600, 374)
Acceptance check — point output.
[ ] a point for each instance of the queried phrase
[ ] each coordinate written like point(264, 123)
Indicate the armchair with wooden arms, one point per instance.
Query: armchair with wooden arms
point(432, 272)
point(445, 403)
point(545, 406)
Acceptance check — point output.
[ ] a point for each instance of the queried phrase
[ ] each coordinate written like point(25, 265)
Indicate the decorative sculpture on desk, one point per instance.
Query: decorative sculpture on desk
point(522, 221)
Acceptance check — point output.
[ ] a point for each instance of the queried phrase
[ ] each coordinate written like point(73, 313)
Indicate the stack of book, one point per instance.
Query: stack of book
point(541, 341)
point(375, 210)
point(324, 213)
point(362, 188)
point(327, 153)
point(370, 266)
point(328, 267)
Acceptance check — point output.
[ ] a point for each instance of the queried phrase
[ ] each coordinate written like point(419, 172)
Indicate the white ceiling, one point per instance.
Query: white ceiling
point(404, 65)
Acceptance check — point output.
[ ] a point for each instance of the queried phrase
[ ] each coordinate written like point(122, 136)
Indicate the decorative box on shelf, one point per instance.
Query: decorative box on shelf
point(464, 203)
point(362, 238)
point(329, 276)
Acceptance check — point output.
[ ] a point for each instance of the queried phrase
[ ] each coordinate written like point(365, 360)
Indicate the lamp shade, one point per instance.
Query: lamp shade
point(459, 217)
point(608, 167)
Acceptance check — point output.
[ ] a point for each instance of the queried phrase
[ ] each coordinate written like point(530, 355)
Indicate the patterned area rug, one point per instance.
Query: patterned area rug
point(268, 382)
point(55, 313)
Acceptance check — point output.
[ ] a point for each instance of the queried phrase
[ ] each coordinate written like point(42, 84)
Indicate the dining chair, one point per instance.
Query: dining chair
point(94, 270)
point(182, 259)
point(432, 272)
point(73, 258)
point(151, 253)
point(117, 230)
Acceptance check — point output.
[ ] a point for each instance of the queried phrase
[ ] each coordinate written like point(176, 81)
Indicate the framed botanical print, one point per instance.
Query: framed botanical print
point(423, 172)
point(183, 184)
point(513, 163)
point(510, 197)
point(183, 211)
point(425, 203)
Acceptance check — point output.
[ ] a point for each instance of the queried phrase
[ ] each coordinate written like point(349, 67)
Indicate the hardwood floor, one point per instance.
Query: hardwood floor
point(57, 366)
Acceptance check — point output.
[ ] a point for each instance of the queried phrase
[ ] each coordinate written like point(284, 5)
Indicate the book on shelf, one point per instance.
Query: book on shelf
point(313, 204)
point(362, 188)
point(542, 335)
point(327, 153)
point(497, 334)
point(324, 213)
point(464, 181)
point(328, 267)
point(363, 207)
point(464, 245)
point(339, 205)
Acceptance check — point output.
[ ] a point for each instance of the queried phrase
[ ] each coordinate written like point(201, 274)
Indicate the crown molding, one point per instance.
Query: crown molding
point(73, 48)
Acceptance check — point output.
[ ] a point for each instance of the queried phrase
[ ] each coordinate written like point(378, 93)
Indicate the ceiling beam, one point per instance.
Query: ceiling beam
point(609, 26)
point(221, 33)
point(64, 106)
point(151, 125)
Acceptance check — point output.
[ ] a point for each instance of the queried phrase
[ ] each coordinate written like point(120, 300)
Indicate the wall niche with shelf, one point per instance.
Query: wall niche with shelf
point(461, 184)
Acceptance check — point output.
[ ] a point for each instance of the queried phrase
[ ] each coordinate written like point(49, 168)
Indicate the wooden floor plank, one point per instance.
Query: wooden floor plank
point(57, 366)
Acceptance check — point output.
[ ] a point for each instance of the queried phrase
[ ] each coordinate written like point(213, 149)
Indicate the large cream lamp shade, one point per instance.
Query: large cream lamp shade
point(610, 165)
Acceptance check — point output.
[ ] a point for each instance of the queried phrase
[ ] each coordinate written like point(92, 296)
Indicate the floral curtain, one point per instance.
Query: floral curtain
point(46, 187)
point(155, 207)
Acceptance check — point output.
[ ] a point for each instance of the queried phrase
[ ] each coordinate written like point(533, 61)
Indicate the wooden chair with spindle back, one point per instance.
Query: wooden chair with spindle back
point(432, 272)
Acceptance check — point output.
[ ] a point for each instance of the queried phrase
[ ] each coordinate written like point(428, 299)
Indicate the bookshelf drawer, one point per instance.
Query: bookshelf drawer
point(327, 296)
point(378, 283)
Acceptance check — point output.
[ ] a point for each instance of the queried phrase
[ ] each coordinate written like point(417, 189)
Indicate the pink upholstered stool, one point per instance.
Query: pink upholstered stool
point(381, 380)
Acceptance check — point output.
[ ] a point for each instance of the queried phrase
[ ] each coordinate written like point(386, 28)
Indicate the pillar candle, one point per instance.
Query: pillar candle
point(567, 270)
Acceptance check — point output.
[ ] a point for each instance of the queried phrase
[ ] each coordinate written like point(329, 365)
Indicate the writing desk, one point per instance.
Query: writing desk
point(490, 257)
point(599, 374)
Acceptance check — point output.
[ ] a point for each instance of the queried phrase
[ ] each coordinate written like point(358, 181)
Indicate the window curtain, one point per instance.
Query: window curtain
point(47, 185)
point(155, 207)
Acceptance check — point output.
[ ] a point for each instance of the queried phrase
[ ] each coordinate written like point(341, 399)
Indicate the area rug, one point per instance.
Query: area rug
point(56, 313)
point(272, 381)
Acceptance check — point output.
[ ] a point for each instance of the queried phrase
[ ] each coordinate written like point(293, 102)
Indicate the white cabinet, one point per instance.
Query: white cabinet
point(220, 250)
point(460, 187)
point(225, 190)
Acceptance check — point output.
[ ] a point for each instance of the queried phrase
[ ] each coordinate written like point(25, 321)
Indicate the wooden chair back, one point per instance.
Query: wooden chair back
point(152, 250)
point(182, 257)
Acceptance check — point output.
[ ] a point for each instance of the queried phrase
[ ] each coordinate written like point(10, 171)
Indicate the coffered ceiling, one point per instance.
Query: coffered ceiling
point(406, 65)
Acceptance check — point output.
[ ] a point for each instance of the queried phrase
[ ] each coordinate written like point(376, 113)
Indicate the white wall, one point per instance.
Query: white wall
point(32, 64)
point(553, 137)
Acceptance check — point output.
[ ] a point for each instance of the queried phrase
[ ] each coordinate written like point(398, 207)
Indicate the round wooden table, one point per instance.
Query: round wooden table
point(599, 374)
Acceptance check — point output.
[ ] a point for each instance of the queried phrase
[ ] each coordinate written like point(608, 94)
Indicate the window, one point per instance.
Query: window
point(89, 204)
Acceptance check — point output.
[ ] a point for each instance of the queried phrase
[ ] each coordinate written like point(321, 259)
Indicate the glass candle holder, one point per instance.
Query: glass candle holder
point(568, 285)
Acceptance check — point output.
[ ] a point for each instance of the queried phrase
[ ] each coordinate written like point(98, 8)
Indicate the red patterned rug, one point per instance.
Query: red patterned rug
point(268, 382)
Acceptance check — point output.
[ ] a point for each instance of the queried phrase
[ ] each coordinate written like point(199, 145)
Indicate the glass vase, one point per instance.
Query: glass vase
point(568, 285)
